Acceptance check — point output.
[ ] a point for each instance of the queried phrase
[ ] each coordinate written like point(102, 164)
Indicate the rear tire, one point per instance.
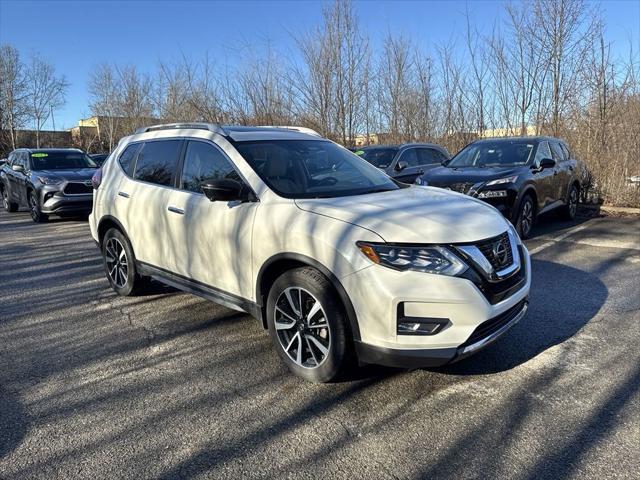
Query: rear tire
point(526, 217)
point(120, 264)
point(34, 208)
point(571, 208)
point(6, 203)
point(307, 324)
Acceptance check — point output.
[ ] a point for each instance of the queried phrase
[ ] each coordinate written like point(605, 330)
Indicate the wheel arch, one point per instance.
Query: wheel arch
point(106, 223)
point(531, 191)
point(282, 262)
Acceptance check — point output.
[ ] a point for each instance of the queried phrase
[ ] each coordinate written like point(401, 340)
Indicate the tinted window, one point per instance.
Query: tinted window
point(312, 169)
point(411, 157)
point(378, 157)
point(204, 162)
point(428, 156)
point(543, 152)
point(565, 150)
point(558, 155)
point(128, 157)
point(56, 160)
point(157, 162)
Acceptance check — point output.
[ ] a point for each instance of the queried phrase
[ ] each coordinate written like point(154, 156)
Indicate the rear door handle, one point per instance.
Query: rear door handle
point(177, 210)
point(124, 194)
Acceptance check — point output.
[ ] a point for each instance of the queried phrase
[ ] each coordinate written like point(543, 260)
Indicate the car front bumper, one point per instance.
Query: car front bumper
point(58, 203)
point(472, 321)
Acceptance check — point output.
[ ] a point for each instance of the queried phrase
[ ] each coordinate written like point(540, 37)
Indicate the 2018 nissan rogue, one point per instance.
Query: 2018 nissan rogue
point(329, 253)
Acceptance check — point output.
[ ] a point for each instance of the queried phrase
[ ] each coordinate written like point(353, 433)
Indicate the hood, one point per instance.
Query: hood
point(443, 176)
point(414, 215)
point(67, 174)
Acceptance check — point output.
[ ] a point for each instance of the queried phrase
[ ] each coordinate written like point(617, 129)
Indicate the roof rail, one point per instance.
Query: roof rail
point(308, 131)
point(212, 127)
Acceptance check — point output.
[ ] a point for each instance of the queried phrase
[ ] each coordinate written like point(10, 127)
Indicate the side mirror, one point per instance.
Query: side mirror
point(224, 190)
point(17, 168)
point(547, 163)
point(401, 165)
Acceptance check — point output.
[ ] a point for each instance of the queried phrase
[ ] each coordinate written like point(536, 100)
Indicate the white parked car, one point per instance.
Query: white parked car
point(330, 254)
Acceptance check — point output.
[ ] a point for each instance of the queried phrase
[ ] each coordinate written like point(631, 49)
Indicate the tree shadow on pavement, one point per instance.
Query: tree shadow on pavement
point(553, 317)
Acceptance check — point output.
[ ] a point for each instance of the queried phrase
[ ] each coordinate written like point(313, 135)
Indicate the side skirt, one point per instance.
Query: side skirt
point(208, 292)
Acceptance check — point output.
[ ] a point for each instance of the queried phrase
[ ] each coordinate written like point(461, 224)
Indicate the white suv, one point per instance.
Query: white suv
point(330, 254)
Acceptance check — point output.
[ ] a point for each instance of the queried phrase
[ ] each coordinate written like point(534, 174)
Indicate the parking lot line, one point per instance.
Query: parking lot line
point(562, 236)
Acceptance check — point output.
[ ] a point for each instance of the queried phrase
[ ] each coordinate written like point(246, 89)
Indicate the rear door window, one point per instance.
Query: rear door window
point(157, 162)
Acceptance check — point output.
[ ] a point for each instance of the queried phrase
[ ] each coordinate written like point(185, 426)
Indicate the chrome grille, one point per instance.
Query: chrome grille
point(489, 247)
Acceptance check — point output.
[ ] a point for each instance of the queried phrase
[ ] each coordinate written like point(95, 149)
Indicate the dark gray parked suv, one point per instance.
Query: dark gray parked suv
point(405, 162)
point(48, 181)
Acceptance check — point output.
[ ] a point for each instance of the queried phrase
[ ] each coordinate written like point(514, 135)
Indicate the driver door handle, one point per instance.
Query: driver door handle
point(124, 194)
point(177, 210)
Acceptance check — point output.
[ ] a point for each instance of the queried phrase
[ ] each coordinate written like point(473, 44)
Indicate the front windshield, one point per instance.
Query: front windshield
point(60, 160)
point(312, 169)
point(502, 153)
point(378, 157)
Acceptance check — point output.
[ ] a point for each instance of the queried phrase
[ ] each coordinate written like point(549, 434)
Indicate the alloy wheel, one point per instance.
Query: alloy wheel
point(5, 199)
point(526, 220)
point(117, 262)
point(573, 202)
point(33, 207)
point(302, 327)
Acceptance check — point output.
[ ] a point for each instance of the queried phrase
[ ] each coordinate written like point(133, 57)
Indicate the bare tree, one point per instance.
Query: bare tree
point(45, 91)
point(13, 91)
point(105, 100)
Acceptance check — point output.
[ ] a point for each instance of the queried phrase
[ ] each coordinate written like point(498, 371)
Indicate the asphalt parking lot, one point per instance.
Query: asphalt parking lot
point(168, 385)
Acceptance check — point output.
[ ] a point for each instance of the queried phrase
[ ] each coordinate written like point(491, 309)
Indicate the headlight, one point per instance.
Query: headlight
point(429, 259)
point(500, 181)
point(420, 181)
point(50, 180)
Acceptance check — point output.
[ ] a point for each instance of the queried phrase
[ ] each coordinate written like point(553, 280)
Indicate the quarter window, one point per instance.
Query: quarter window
point(204, 162)
point(157, 162)
point(128, 157)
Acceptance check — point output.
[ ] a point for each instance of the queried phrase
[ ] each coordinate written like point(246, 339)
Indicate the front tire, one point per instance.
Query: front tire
point(307, 324)
point(571, 208)
point(34, 208)
point(120, 264)
point(526, 217)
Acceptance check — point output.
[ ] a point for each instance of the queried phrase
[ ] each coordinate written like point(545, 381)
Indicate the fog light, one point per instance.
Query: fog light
point(418, 328)
point(492, 194)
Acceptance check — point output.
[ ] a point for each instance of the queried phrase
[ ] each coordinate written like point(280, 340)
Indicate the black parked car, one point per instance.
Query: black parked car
point(48, 181)
point(522, 177)
point(99, 158)
point(405, 162)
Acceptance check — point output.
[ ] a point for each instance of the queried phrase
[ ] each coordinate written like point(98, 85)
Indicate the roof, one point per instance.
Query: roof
point(241, 133)
point(403, 145)
point(48, 149)
point(530, 138)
